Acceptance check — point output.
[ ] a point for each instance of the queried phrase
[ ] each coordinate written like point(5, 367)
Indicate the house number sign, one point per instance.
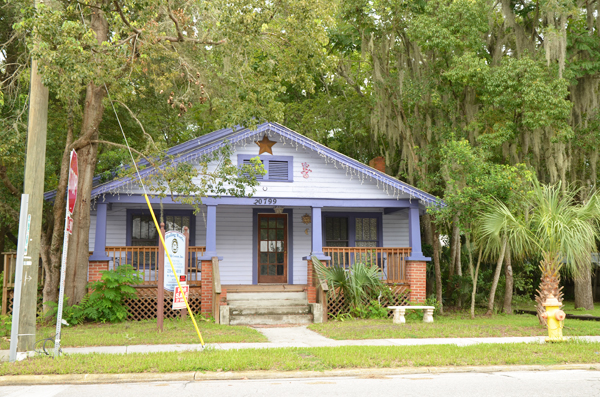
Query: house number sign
point(265, 201)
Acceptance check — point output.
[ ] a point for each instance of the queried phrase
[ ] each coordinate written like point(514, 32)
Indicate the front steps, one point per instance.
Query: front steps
point(268, 308)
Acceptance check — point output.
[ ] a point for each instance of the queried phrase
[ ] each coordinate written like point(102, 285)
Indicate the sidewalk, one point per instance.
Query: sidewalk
point(298, 337)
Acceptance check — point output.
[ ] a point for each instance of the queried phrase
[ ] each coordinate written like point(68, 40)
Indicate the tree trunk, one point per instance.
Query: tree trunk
point(428, 239)
point(475, 277)
point(596, 274)
point(583, 289)
point(93, 111)
point(508, 290)
point(52, 240)
point(492, 296)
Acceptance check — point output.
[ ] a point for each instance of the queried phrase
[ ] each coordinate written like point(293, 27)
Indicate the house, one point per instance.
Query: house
point(313, 201)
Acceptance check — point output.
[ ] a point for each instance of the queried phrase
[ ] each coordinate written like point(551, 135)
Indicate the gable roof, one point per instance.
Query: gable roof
point(206, 144)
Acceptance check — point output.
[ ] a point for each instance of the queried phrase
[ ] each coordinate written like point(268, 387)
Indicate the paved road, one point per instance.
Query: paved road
point(544, 383)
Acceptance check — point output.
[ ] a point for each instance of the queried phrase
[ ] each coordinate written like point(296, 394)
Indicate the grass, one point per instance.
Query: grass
point(569, 307)
point(319, 359)
point(454, 325)
point(145, 333)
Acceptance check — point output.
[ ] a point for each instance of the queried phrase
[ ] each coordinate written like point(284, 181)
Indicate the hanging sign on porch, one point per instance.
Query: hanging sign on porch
point(175, 243)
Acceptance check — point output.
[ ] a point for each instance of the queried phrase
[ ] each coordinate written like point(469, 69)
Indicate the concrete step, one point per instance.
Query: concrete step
point(246, 296)
point(267, 303)
point(271, 319)
point(281, 310)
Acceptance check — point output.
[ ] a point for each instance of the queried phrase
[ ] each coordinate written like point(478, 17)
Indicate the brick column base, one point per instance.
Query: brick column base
point(207, 288)
point(94, 269)
point(311, 291)
point(416, 274)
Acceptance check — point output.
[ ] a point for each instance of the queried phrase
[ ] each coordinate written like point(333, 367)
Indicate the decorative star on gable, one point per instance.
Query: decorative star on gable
point(265, 145)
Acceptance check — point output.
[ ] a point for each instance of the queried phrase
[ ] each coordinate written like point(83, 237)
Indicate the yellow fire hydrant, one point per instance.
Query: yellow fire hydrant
point(555, 318)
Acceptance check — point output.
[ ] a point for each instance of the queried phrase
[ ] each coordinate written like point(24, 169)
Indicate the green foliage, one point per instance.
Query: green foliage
point(5, 325)
point(106, 302)
point(361, 282)
point(371, 310)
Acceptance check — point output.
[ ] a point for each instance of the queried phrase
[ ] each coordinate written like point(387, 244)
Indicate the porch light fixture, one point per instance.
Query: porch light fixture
point(278, 210)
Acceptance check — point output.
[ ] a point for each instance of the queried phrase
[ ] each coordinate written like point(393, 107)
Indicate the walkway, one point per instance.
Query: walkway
point(298, 337)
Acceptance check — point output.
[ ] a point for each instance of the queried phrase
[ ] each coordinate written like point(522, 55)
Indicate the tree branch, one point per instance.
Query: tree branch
point(342, 72)
point(119, 145)
point(125, 21)
point(11, 188)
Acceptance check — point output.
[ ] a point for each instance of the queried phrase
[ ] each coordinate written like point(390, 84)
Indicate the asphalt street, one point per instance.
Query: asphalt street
point(524, 383)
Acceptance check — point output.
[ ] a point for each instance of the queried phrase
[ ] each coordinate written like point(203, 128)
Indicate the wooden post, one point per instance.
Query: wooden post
point(216, 303)
point(160, 299)
point(186, 233)
point(5, 283)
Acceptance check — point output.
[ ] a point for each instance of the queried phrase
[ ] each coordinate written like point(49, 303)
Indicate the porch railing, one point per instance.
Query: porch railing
point(145, 260)
point(391, 261)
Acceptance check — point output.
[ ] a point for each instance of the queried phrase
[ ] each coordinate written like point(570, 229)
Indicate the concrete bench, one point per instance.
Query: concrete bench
point(400, 310)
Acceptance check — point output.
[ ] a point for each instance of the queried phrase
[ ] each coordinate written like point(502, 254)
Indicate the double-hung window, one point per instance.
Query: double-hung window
point(279, 168)
point(352, 230)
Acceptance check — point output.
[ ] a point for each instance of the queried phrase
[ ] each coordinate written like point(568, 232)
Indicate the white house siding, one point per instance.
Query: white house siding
point(92, 229)
point(234, 244)
point(395, 229)
point(301, 244)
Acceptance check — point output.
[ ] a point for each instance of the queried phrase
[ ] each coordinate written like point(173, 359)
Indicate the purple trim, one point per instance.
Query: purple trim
point(284, 202)
point(414, 236)
point(100, 239)
point(290, 247)
point(135, 211)
point(211, 232)
point(216, 140)
point(351, 216)
point(265, 160)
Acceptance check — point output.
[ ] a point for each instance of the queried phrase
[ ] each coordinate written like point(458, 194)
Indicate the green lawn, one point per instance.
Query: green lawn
point(315, 359)
point(146, 333)
point(455, 325)
point(569, 307)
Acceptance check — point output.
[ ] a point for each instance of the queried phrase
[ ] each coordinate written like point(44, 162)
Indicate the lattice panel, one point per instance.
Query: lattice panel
point(336, 303)
point(11, 298)
point(145, 306)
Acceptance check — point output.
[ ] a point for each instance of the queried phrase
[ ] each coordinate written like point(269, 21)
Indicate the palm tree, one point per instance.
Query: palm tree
point(553, 223)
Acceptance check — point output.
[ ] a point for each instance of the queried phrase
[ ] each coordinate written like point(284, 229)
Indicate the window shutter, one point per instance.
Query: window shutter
point(278, 170)
point(258, 177)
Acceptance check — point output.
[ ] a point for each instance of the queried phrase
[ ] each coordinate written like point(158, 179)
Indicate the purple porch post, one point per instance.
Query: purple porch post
point(99, 254)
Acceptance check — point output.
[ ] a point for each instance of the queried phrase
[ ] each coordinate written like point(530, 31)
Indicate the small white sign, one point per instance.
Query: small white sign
point(27, 235)
point(178, 302)
point(175, 243)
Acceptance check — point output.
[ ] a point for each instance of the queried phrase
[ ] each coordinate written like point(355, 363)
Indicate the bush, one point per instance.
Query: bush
point(106, 303)
point(5, 325)
point(107, 300)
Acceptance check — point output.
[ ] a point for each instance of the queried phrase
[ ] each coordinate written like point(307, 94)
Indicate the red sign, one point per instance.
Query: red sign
point(178, 302)
point(69, 225)
point(73, 178)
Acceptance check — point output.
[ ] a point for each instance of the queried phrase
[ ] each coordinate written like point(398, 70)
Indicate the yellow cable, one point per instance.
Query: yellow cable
point(154, 218)
point(162, 240)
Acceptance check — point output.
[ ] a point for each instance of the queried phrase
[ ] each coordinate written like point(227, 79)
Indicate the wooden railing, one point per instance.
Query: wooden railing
point(216, 294)
point(391, 261)
point(145, 260)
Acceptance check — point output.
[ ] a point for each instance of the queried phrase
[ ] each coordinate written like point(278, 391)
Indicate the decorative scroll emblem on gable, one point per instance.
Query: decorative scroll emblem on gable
point(305, 170)
point(174, 246)
point(306, 219)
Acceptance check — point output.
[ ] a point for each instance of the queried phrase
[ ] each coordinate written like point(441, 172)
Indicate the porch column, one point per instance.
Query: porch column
point(414, 235)
point(416, 263)
point(317, 236)
point(211, 233)
point(100, 239)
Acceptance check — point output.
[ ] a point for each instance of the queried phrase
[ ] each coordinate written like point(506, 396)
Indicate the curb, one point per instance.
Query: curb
point(258, 375)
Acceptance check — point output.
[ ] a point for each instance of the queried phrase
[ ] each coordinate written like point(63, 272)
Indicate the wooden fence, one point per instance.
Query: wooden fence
point(337, 304)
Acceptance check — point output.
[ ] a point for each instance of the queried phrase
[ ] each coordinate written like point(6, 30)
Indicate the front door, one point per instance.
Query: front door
point(272, 248)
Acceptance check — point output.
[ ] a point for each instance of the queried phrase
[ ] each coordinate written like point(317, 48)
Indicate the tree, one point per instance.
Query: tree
point(553, 222)
point(230, 57)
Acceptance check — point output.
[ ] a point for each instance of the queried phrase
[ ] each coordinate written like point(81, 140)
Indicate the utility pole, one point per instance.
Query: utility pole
point(35, 166)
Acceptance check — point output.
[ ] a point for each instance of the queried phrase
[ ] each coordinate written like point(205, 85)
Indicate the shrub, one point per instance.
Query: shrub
point(107, 300)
